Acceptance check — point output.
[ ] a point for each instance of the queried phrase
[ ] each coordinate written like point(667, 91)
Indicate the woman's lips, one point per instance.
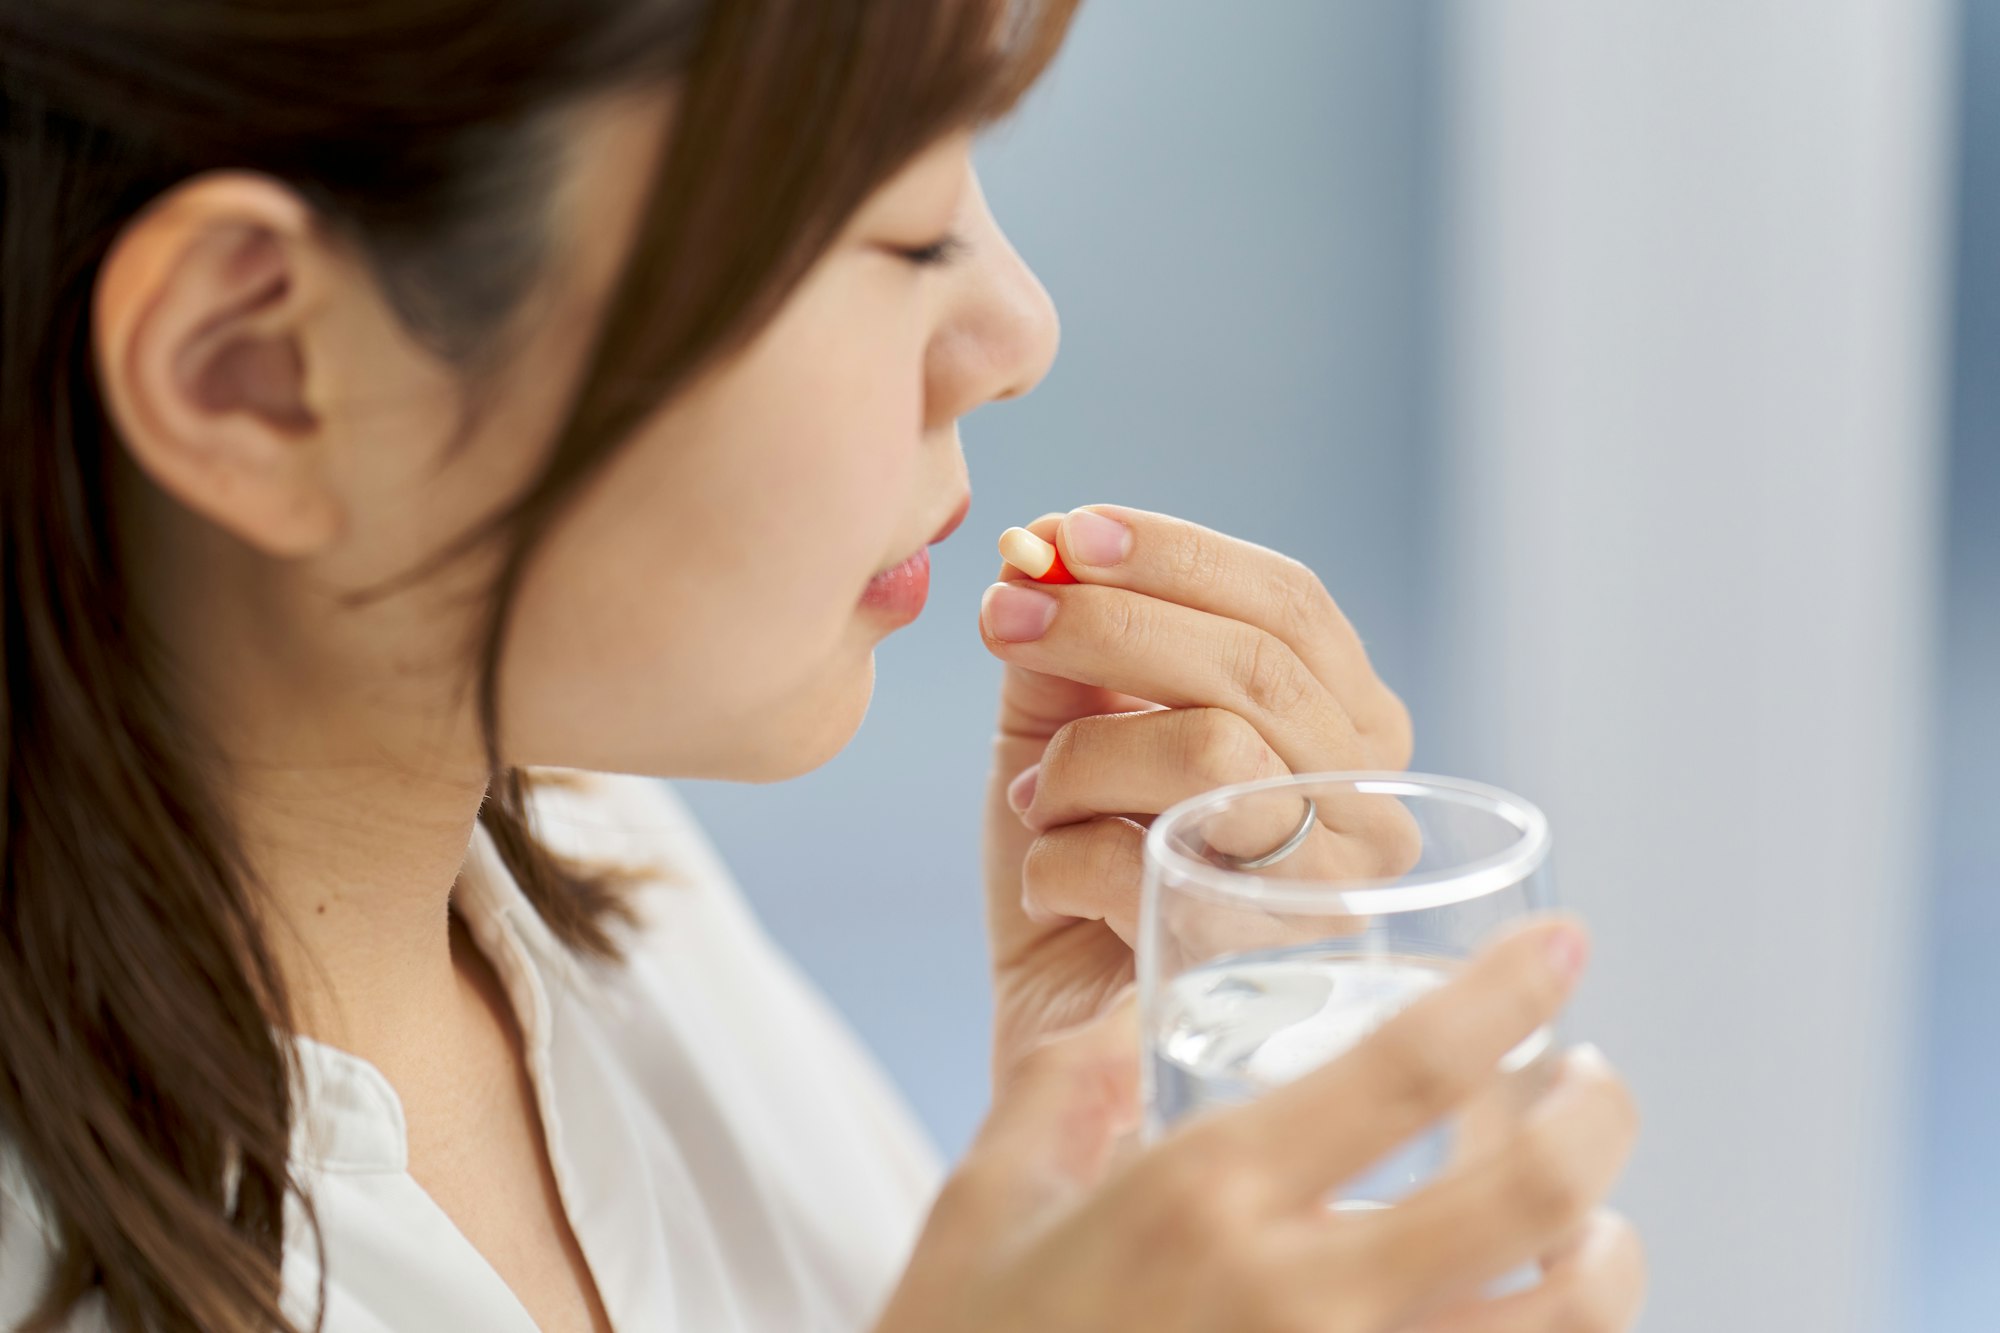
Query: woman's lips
point(900, 592)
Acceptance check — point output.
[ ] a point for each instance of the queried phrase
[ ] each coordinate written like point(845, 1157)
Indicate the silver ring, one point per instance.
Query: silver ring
point(1279, 853)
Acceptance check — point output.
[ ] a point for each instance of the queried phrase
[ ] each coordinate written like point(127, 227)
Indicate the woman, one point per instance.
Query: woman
point(408, 403)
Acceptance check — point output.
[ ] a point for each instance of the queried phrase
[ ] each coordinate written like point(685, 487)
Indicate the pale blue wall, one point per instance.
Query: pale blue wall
point(1229, 204)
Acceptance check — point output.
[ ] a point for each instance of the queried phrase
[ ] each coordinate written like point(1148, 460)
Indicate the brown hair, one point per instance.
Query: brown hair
point(145, 1071)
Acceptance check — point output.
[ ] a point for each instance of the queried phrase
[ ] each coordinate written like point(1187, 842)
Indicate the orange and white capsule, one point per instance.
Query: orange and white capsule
point(1034, 557)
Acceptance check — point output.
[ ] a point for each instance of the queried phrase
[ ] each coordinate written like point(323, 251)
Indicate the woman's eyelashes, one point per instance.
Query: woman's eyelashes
point(938, 253)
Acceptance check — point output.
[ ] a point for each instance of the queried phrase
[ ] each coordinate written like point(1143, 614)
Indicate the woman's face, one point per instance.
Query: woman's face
point(700, 607)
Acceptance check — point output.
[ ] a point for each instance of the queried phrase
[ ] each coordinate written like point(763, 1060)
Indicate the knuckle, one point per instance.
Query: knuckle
point(1624, 1110)
point(1049, 861)
point(1303, 600)
point(1545, 1187)
point(1525, 996)
point(1044, 854)
point(1112, 850)
point(1075, 869)
point(1060, 755)
point(1123, 626)
point(1270, 675)
point(1194, 561)
point(1218, 748)
point(1609, 1105)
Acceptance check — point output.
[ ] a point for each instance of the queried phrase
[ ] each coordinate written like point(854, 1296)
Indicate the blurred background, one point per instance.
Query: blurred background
point(1628, 374)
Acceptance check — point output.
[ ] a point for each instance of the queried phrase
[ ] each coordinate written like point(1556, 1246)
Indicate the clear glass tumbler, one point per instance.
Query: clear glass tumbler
point(1284, 920)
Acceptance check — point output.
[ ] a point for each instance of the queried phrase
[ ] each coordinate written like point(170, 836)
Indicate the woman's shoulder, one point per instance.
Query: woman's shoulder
point(702, 949)
point(699, 949)
point(702, 978)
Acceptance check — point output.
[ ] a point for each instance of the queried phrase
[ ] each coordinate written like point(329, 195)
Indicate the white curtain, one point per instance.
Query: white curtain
point(1697, 330)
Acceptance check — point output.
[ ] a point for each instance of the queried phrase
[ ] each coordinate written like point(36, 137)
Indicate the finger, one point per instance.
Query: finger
point(1336, 836)
point(1143, 763)
point(1089, 871)
point(1521, 1202)
point(1178, 561)
point(1597, 1286)
point(1326, 1127)
point(1150, 649)
point(1092, 872)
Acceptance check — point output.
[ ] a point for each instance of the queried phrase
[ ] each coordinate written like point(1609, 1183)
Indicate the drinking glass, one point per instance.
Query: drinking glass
point(1284, 920)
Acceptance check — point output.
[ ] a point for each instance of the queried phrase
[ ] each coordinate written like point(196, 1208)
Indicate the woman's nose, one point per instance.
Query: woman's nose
point(1025, 327)
point(999, 335)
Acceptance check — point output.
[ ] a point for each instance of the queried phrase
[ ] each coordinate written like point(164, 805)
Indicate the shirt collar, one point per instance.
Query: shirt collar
point(347, 1116)
point(503, 921)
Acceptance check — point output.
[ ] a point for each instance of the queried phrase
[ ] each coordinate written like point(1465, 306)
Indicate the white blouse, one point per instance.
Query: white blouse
point(730, 1158)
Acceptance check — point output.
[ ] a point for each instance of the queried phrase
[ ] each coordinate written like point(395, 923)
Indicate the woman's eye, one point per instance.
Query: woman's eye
point(941, 251)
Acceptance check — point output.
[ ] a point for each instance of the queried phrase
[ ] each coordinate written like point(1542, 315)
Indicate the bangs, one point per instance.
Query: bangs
point(790, 114)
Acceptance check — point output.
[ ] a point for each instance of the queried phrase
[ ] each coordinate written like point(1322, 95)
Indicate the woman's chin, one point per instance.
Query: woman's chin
point(811, 731)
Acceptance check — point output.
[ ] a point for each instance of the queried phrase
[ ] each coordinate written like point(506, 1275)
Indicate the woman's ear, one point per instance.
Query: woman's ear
point(201, 321)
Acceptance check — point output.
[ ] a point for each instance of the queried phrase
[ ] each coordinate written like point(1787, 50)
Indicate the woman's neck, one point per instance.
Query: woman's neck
point(357, 868)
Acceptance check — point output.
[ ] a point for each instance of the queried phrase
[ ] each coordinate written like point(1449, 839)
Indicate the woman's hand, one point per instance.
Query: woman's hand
point(1223, 1228)
point(1189, 661)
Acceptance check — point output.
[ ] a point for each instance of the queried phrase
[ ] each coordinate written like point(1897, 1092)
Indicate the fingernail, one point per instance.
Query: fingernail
point(1568, 950)
point(1017, 614)
point(1095, 539)
point(1021, 791)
